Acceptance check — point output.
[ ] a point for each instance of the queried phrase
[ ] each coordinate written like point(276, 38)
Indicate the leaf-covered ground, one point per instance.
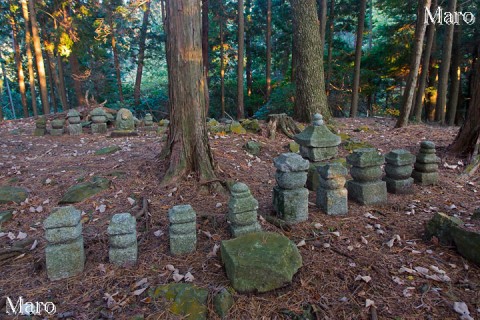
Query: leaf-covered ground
point(347, 261)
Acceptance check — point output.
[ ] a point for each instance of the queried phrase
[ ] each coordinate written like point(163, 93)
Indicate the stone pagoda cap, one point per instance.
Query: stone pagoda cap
point(317, 135)
point(400, 157)
point(332, 170)
point(98, 112)
point(291, 162)
point(63, 217)
point(365, 157)
point(427, 145)
point(73, 113)
point(181, 214)
point(122, 223)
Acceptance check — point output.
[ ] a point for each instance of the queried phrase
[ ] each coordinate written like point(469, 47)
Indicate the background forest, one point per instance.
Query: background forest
point(115, 51)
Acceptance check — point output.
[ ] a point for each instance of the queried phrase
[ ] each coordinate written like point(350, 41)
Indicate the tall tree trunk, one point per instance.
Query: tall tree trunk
point(42, 80)
point(370, 26)
point(309, 77)
point(28, 40)
point(358, 59)
point(414, 64)
point(206, 62)
point(187, 141)
point(222, 61)
point(268, 42)
point(62, 92)
point(445, 67)
point(141, 54)
point(76, 75)
point(50, 76)
point(455, 75)
point(417, 114)
point(7, 85)
point(116, 62)
point(18, 63)
point(241, 42)
point(322, 17)
point(469, 133)
point(331, 24)
point(248, 48)
point(431, 97)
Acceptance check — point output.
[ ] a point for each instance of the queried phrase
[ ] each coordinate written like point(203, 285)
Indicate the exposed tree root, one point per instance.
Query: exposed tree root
point(286, 124)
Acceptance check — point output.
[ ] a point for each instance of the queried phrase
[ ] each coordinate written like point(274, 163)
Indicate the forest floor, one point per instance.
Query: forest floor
point(327, 283)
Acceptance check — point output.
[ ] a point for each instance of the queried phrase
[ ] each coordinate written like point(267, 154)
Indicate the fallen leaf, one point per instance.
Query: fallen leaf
point(131, 201)
point(301, 243)
point(407, 292)
point(189, 277)
point(462, 309)
point(397, 280)
point(178, 277)
point(170, 267)
point(367, 279)
point(139, 291)
point(158, 233)
point(364, 241)
point(21, 235)
point(34, 245)
point(140, 283)
point(369, 303)
point(214, 251)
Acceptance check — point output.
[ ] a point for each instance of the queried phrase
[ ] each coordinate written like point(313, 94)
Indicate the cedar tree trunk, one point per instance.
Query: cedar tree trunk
point(141, 54)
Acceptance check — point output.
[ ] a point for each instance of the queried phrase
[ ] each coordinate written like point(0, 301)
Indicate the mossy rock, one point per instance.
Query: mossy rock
point(82, 191)
point(107, 150)
point(253, 147)
point(237, 128)
point(223, 302)
point(294, 147)
point(5, 216)
point(252, 126)
point(354, 144)
point(12, 194)
point(212, 123)
point(187, 300)
point(260, 261)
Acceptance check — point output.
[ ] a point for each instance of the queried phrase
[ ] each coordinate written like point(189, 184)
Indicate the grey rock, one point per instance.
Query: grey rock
point(99, 128)
point(123, 240)
point(366, 174)
point(399, 157)
point(365, 157)
point(57, 123)
point(367, 193)
point(56, 132)
point(333, 202)
point(318, 154)
point(182, 230)
point(243, 219)
point(63, 217)
point(123, 256)
point(65, 260)
point(242, 210)
point(426, 167)
point(398, 172)
point(122, 223)
point(403, 186)
point(223, 302)
point(12, 194)
point(74, 129)
point(427, 158)
point(63, 234)
point(425, 178)
point(291, 205)
point(253, 147)
point(124, 120)
point(427, 145)
point(288, 162)
point(291, 180)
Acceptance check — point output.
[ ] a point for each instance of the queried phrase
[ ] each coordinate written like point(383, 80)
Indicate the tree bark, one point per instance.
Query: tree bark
point(417, 114)
point(469, 133)
point(76, 75)
point(222, 61)
point(28, 40)
point(141, 54)
point(9, 92)
point(116, 62)
point(61, 83)
point(414, 64)
point(444, 68)
point(206, 62)
point(49, 59)
point(42, 80)
point(18, 63)
point(309, 77)
point(455, 75)
point(431, 97)
point(241, 42)
point(331, 25)
point(248, 48)
point(358, 59)
point(322, 17)
point(187, 141)
point(268, 42)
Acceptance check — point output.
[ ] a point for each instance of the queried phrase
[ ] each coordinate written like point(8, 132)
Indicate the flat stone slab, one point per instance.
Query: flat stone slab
point(451, 231)
point(367, 192)
point(260, 261)
point(82, 191)
point(120, 134)
point(12, 194)
point(187, 300)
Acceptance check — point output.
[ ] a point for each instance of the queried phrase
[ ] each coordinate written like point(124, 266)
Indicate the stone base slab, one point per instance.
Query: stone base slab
point(425, 178)
point(291, 205)
point(367, 192)
point(399, 186)
point(333, 202)
point(181, 244)
point(65, 260)
point(123, 256)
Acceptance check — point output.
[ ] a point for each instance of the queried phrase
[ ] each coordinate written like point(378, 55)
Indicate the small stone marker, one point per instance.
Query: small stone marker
point(65, 256)
point(242, 210)
point(183, 229)
point(124, 124)
point(290, 198)
point(40, 126)
point(366, 186)
point(74, 124)
point(426, 166)
point(398, 171)
point(122, 233)
point(99, 119)
point(332, 196)
point(148, 122)
point(57, 127)
point(162, 126)
point(317, 143)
